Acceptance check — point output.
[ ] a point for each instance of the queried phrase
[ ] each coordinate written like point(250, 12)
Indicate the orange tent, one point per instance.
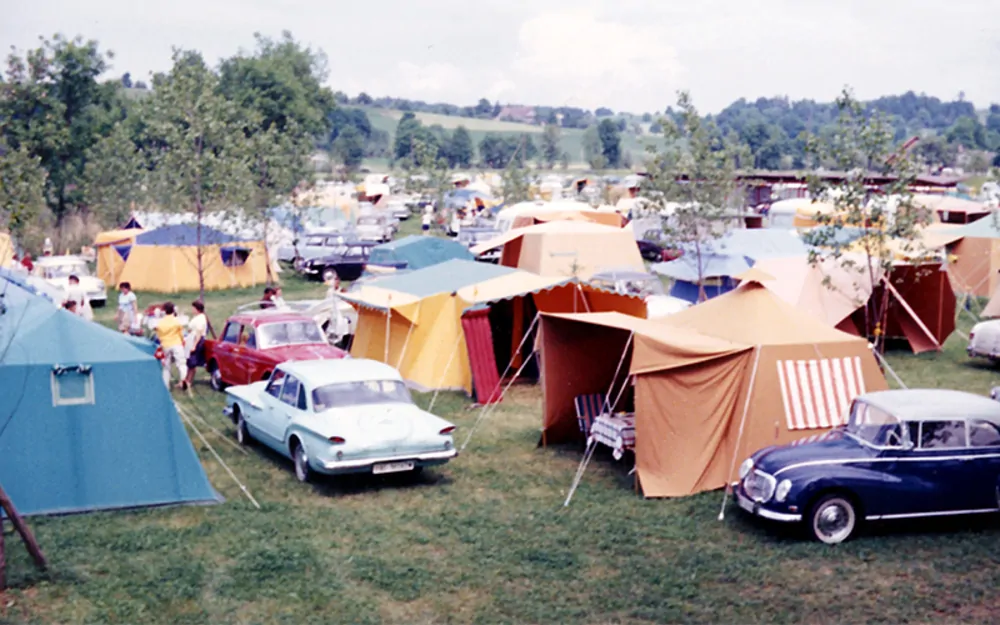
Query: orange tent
point(713, 383)
point(596, 217)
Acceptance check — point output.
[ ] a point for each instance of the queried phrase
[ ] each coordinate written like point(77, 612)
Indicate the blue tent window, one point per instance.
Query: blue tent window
point(123, 250)
point(234, 256)
point(72, 386)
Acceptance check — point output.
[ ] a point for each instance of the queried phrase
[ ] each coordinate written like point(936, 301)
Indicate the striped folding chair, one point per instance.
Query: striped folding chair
point(588, 408)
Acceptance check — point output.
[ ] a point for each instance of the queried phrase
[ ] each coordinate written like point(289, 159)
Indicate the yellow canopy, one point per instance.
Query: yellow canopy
point(6, 249)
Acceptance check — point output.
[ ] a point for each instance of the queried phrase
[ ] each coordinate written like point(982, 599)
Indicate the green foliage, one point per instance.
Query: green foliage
point(348, 148)
point(498, 152)
point(115, 177)
point(593, 149)
point(52, 105)
point(458, 148)
point(550, 145)
point(22, 180)
point(408, 132)
point(611, 142)
point(515, 183)
point(431, 170)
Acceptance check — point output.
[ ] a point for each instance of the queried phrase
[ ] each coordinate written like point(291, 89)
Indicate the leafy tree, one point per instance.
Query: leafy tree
point(427, 166)
point(206, 160)
point(483, 108)
point(141, 84)
point(969, 133)
point(611, 142)
point(550, 145)
point(459, 149)
point(127, 80)
point(282, 81)
point(694, 175)
point(22, 184)
point(52, 105)
point(604, 112)
point(364, 99)
point(515, 183)
point(887, 222)
point(593, 149)
point(115, 177)
point(348, 148)
point(407, 130)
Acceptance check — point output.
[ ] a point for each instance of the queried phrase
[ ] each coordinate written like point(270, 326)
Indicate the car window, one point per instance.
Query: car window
point(250, 338)
point(290, 392)
point(942, 434)
point(333, 241)
point(983, 434)
point(302, 405)
point(314, 240)
point(231, 333)
point(274, 386)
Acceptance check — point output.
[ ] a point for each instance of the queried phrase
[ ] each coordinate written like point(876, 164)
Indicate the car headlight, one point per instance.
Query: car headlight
point(782, 490)
point(746, 467)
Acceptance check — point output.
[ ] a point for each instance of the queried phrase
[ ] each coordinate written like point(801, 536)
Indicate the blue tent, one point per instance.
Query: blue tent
point(85, 420)
point(445, 277)
point(417, 252)
point(717, 271)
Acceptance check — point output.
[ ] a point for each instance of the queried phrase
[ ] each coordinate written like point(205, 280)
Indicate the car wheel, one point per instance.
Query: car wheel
point(329, 273)
point(832, 519)
point(242, 435)
point(302, 471)
point(215, 380)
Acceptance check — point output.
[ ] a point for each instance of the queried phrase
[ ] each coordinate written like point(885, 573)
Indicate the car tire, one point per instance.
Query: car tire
point(329, 273)
point(832, 519)
point(215, 380)
point(98, 303)
point(303, 472)
point(242, 435)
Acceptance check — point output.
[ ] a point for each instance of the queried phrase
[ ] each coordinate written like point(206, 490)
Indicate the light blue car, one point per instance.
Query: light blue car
point(340, 416)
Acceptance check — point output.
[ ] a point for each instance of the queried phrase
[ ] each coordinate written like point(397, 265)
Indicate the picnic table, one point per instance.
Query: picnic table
point(615, 431)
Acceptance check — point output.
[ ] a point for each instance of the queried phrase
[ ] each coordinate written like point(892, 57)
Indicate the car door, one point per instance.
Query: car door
point(254, 362)
point(931, 473)
point(983, 466)
point(288, 408)
point(268, 426)
point(225, 352)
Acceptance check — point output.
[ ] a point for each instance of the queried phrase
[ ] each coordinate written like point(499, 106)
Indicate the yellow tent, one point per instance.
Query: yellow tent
point(165, 260)
point(461, 322)
point(6, 250)
point(567, 249)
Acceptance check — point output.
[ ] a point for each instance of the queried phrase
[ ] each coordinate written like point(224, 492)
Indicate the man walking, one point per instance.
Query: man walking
point(170, 331)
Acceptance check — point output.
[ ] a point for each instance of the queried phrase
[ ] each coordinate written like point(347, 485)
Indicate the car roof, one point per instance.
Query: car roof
point(934, 404)
point(269, 315)
point(59, 260)
point(341, 370)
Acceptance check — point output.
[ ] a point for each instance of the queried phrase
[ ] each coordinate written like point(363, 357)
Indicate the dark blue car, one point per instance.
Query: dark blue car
point(903, 454)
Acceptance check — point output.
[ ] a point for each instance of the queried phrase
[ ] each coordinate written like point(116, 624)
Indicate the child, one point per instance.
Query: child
point(128, 308)
point(171, 334)
point(426, 221)
point(76, 293)
point(70, 305)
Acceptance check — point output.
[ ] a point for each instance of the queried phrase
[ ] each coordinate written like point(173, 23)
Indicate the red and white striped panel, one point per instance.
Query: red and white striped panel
point(818, 393)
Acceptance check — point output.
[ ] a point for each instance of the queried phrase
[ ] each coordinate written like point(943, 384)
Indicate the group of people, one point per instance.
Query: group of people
point(183, 347)
point(77, 301)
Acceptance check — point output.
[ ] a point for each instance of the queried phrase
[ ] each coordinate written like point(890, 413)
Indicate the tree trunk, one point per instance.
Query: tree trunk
point(201, 268)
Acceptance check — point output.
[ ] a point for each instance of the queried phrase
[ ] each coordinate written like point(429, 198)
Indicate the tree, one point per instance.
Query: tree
point(611, 142)
point(348, 148)
point(969, 133)
point(205, 160)
point(593, 151)
point(604, 112)
point(515, 183)
point(887, 222)
point(408, 128)
point(364, 99)
point(52, 105)
point(22, 186)
point(127, 80)
point(694, 176)
point(459, 149)
point(483, 108)
point(114, 180)
point(550, 145)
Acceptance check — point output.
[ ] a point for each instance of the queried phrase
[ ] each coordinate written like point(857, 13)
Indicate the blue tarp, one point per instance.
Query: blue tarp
point(759, 243)
point(445, 277)
point(124, 446)
point(184, 235)
point(713, 265)
point(418, 252)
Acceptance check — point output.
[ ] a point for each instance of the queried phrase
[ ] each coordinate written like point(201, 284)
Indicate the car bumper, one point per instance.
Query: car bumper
point(366, 464)
point(756, 508)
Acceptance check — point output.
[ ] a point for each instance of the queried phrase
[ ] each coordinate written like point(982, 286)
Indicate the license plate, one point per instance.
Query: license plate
point(745, 503)
point(392, 467)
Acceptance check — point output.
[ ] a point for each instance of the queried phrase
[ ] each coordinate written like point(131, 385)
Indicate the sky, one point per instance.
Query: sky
point(631, 55)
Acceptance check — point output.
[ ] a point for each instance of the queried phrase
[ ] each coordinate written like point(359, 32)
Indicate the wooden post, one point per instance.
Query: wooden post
point(22, 529)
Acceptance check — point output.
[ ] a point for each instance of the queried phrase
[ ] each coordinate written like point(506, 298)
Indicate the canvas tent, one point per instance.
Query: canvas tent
point(165, 260)
point(458, 324)
point(974, 257)
point(417, 252)
point(6, 249)
point(951, 209)
point(712, 384)
point(567, 249)
point(90, 425)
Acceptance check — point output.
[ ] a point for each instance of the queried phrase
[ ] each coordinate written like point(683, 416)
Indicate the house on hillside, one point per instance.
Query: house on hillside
point(517, 113)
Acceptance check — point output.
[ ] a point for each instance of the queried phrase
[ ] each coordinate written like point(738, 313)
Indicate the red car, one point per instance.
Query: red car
point(253, 343)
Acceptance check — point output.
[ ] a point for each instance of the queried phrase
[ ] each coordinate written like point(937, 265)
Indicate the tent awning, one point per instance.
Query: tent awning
point(384, 300)
point(508, 286)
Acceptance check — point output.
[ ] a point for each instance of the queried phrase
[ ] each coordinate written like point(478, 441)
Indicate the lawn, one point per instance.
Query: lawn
point(485, 539)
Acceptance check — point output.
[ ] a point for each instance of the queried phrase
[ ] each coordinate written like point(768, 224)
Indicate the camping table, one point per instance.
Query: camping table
point(615, 431)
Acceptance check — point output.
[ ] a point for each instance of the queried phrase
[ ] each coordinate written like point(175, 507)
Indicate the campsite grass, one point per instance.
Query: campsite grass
point(485, 539)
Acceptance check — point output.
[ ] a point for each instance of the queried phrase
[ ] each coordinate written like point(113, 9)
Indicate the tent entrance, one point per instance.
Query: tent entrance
point(510, 320)
point(482, 361)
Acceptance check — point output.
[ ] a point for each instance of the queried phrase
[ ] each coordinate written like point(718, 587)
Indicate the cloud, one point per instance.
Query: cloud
point(432, 80)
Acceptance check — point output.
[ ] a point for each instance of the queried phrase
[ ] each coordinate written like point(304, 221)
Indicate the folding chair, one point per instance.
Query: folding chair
point(588, 408)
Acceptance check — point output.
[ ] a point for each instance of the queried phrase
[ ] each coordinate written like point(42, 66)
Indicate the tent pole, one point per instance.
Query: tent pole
point(906, 305)
point(486, 410)
point(739, 437)
point(510, 364)
point(388, 320)
point(219, 458)
point(444, 373)
point(618, 369)
point(587, 455)
point(583, 296)
point(409, 333)
point(885, 364)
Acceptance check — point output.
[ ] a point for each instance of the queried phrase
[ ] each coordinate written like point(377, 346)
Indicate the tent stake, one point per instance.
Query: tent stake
point(587, 455)
point(739, 437)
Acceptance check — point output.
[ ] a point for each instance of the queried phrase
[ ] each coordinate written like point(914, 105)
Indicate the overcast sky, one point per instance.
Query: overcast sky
point(626, 54)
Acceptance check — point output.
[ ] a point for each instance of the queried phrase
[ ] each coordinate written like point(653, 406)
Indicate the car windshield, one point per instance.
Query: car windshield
point(315, 240)
point(875, 427)
point(344, 394)
point(64, 270)
point(368, 221)
point(289, 333)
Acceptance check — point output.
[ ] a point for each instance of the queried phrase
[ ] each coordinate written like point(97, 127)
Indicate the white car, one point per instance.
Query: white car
point(56, 270)
point(375, 227)
point(340, 416)
point(640, 284)
point(984, 340)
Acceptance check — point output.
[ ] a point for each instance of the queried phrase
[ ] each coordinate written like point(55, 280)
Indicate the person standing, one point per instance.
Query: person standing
point(425, 221)
point(170, 332)
point(76, 293)
point(128, 309)
point(194, 342)
point(268, 300)
point(278, 299)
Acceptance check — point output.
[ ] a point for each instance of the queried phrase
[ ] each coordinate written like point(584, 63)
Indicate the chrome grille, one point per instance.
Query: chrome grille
point(759, 486)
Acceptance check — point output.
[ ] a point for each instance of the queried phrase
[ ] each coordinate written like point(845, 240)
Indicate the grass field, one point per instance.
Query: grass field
point(485, 539)
point(571, 139)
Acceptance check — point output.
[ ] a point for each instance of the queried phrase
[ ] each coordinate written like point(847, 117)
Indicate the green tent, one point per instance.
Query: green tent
point(417, 252)
point(85, 420)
